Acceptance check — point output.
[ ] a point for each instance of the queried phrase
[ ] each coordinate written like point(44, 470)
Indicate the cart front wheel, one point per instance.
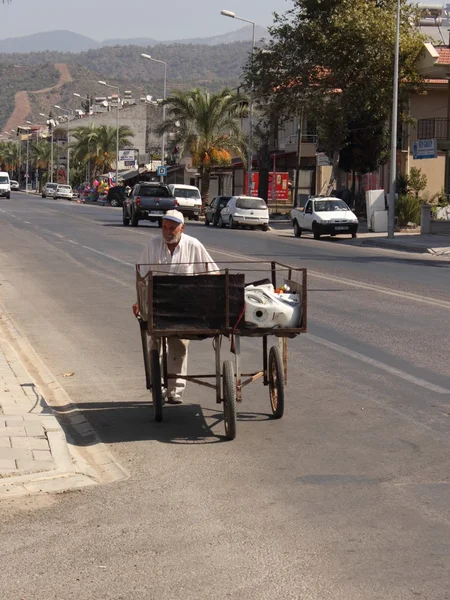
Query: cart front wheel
point(229, 399)
point(156, 385)
point(276, 382)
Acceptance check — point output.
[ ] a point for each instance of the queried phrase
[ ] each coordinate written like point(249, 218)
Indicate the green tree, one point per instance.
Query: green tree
point(417, 181)
point(98, 145)
point(207, 127)
point(9, 157)
point(41, 154)
point(335, 59)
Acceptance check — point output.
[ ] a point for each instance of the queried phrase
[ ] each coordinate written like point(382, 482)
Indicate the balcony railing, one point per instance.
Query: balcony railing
point(437, 128)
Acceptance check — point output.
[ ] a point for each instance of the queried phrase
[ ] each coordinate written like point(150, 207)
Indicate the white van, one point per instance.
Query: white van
point(188, 198)
point(5, 185)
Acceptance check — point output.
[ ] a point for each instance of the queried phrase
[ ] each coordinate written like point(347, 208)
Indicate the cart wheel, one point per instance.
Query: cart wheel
point(229, 399)
point(156, 384)
point(276, 382)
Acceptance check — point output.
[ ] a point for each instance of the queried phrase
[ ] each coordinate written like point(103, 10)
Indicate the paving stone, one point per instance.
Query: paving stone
point(16, 422)
point(32, 466)
point(32, 417)
point(5, 442)
point(12, 432)
point(44, 455)
point(7, 464)
point(15, 453)
point(29, 443)
point(34, 429)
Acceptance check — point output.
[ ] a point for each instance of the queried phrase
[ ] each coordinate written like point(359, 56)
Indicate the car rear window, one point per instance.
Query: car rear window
point(154, 191)
point(251, 203)
point(183, 193)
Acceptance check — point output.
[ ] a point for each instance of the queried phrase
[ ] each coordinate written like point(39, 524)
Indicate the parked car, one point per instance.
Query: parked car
point(188, 198)
point(5, 186)
point(14, 184)
point(324, 216)
point(245, 211)
point(213, 210)
point(49, 190)
point(148, 201)
point(64, 191)
point(116, 196)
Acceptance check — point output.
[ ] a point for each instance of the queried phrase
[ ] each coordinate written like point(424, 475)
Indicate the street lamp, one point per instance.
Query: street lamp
point(116, 87)
point(232, 15)
point(68, 136)
point(89, 121)
point(163, 141)
point(51, 124)
point(28, 154)
point(391, 202)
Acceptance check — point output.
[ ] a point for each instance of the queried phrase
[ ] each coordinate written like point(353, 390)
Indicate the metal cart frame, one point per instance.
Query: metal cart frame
point(230, 380)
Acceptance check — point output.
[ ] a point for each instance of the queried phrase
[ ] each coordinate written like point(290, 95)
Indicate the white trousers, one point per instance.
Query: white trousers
point(177, 357)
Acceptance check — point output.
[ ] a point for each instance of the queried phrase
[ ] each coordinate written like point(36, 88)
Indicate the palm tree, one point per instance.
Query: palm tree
point(207, 127)
point(98, 145)
point(9, 156)
point(41, 153)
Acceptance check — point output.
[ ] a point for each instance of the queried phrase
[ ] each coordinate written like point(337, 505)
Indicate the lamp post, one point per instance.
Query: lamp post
point(68, 136)
point(391, 202)
point(28, 154)
point(51, 124)
point(89, 121)
point(232, 15)
point(36, 175)
point(115, 87)
point(163, 141)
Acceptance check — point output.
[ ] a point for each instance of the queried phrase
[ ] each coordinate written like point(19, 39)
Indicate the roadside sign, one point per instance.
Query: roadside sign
point(161, 171)
point(424, 149)
point(322, 160)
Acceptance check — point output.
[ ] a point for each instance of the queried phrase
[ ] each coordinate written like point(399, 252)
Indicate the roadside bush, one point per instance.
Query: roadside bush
point(407, 210)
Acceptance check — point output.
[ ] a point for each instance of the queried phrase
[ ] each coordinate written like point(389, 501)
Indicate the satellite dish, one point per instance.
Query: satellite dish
point(148, 98)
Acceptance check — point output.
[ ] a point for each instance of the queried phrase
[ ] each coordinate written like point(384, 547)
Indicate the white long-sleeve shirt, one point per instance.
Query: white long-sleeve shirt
point(189, 257)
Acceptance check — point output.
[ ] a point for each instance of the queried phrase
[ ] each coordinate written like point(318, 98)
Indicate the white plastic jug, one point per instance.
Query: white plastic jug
point(264, 308)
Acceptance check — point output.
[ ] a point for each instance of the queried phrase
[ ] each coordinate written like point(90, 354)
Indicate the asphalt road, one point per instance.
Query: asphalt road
point(347, 497)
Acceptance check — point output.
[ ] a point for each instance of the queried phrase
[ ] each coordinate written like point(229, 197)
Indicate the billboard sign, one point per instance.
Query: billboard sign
point(281, 185)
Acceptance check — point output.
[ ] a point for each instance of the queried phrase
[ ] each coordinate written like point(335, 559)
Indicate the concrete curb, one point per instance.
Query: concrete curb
point(81, 458)
point(405, 247)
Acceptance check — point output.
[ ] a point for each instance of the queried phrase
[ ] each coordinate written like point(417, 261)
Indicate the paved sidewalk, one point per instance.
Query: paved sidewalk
point(33, 449)
point(437, 245)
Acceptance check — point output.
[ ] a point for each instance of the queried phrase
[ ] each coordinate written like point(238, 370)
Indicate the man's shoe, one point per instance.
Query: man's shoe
point(174, 399)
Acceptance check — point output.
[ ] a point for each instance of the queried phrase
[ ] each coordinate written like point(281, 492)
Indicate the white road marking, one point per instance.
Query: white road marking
point(356, 284)
point(122, 262)
point(379, 365)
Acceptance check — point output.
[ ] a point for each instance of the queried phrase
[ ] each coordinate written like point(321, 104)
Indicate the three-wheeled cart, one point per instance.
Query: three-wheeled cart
point(213, 306)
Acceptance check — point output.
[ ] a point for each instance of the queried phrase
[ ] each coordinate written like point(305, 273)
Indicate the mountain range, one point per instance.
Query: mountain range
point(67, 41)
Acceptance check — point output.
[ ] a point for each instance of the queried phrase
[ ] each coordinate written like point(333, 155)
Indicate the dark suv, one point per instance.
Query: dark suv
point(148, 201)
point(116, 196)
point(213, 210)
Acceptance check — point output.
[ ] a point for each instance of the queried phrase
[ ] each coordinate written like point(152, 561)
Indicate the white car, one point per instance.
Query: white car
point(245, 211)
point(324, 216)
point(14, 184)
point(63, 191)
point(188, 198)
point(5, 186)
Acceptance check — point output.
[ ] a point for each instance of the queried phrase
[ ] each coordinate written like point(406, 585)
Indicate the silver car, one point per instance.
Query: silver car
point(49, 189)
point(14, 184)
point(64, 191)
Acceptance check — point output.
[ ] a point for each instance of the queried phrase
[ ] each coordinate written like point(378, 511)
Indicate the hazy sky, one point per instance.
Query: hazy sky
point(103, 19)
